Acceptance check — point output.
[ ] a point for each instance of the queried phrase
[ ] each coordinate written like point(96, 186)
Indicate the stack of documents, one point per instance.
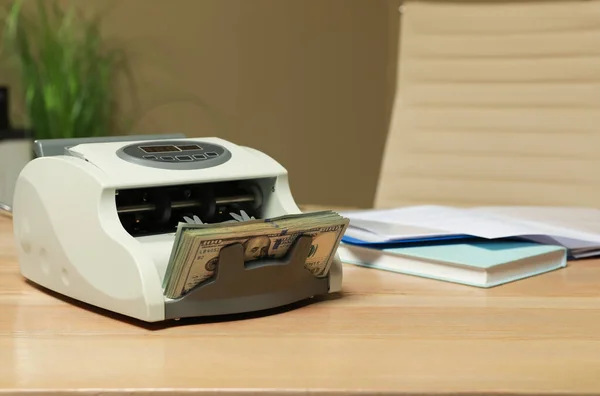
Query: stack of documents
point(576, 229)
point(480, 246)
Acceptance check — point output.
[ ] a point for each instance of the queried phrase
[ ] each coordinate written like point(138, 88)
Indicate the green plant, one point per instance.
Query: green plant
point(67, 73)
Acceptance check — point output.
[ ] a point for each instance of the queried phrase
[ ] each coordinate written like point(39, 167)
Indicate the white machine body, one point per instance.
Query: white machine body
point(70, 227)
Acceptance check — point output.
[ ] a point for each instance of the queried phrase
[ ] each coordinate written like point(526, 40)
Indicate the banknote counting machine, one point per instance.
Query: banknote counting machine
point(95, 220)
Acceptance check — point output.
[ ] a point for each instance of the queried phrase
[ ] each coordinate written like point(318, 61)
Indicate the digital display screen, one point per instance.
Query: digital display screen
point(190, 147)
point(159, 149)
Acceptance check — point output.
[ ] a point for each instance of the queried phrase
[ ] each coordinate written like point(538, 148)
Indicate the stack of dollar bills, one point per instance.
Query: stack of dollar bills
point(195, 254)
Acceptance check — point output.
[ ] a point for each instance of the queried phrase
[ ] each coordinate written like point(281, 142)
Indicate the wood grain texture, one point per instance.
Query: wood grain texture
point(385, 333)
point(496, 104)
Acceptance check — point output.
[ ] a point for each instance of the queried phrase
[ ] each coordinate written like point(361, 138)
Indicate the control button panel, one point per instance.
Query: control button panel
point(175, 154)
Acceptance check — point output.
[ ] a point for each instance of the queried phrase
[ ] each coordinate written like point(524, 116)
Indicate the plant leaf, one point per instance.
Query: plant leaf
point(66, 69)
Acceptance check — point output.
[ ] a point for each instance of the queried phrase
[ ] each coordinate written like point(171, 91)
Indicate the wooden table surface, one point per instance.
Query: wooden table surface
point(385, 332)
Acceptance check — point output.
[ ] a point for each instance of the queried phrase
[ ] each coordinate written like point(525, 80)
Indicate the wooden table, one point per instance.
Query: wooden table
point(387, 332)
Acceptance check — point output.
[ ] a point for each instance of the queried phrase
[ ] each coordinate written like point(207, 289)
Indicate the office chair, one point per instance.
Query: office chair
point(497, 103)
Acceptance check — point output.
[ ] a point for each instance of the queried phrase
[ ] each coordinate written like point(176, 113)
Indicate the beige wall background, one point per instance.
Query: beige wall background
point(310, 82)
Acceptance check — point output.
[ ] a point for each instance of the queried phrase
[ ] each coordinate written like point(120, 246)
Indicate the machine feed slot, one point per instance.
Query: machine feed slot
point(156, 210)
point(238, 288)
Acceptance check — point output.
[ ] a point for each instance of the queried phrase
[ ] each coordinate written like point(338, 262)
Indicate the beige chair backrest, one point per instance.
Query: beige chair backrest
point(498, 103)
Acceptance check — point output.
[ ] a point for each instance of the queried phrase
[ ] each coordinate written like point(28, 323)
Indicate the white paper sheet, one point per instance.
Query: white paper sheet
point(493, 222)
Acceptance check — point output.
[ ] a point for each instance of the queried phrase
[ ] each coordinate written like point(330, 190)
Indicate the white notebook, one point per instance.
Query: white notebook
point(482, 264)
